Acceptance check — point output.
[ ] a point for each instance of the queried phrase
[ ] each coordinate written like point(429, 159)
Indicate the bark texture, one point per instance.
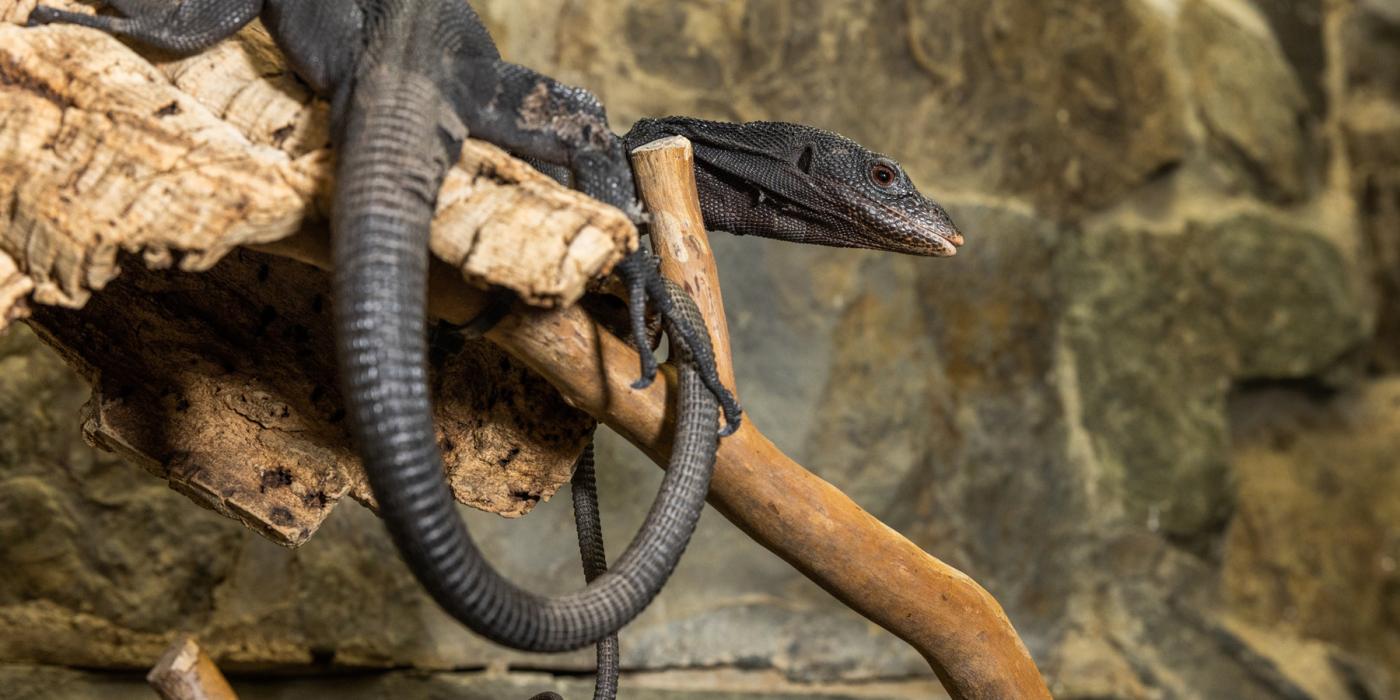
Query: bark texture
point(128, 175)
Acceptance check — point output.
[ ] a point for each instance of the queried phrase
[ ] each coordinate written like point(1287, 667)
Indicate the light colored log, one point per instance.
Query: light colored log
point(223, 383)
point(185, 672)
point(104, 152)
point(679, 238)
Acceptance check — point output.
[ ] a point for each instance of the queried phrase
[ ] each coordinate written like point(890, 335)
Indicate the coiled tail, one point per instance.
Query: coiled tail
point(392, 162)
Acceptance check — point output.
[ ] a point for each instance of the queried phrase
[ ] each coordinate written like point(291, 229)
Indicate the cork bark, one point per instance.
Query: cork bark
point(138, 182)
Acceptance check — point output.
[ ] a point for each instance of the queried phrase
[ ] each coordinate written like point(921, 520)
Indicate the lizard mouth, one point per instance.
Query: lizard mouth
point(939, 238)
point(914, 226)
point(952, 239)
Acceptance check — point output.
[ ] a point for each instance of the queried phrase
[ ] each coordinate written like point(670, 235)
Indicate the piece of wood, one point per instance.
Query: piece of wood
point(956, 624)
point(185, 672)
point(103, 152)
point(223, 383)
point(679, 238)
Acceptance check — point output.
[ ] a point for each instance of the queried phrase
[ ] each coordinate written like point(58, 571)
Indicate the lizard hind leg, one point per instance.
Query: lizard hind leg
point(187, 27)
point(691, 333)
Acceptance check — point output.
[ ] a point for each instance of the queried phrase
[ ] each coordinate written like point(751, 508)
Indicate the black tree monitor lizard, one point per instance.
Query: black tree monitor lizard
point(407, 79)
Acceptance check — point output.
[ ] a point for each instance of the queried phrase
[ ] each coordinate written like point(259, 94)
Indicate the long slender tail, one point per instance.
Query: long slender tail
point(384, 203)
point(588, 521)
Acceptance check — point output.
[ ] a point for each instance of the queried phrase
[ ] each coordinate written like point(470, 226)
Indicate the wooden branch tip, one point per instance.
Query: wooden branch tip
point(185, 672)
point(665, 172)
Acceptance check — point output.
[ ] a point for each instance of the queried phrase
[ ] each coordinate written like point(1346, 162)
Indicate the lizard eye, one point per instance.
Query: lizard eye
point(883, 175)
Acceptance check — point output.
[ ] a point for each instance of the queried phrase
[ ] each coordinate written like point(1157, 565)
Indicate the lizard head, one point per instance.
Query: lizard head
point(802, 184)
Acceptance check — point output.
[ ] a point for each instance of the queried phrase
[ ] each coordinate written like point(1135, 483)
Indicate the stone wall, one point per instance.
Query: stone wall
point(1152, 405)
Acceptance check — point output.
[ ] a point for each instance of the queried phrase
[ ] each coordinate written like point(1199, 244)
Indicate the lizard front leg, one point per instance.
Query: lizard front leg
point(186, 27)
point(539, 118)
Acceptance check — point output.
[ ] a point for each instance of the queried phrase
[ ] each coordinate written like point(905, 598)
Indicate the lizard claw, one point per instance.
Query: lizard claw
point(635, 269)
point(642, 275)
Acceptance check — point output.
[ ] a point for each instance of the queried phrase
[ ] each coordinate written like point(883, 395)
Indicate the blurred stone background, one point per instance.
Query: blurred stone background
point(1153, 405)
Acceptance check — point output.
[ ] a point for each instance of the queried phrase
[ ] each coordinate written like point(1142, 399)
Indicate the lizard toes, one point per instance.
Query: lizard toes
point(44, 14)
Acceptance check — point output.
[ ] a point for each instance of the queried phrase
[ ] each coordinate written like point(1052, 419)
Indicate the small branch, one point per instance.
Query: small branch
point(185, 672)
point(679, 238)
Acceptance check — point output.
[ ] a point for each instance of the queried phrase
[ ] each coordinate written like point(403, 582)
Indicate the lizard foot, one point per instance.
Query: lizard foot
point(186, 27)
point(642, 275)
point(44, 14)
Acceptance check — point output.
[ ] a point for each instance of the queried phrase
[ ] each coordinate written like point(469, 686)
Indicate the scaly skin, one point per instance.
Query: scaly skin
point(407, 79)
point(801, 184)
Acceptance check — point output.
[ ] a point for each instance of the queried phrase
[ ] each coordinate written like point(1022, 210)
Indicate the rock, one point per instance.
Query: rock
point(1264, 133)
point(1161, 325)
point(1319, 511)
point(1066, 104)
point(1371, 124)
point(1298, 26)
point(61, 684)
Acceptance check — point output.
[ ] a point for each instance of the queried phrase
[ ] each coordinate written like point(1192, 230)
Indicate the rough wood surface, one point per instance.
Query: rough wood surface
point(126, 176)
point(679, 238)
point(103, 151)
point(224, 383)
point(185, 672)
